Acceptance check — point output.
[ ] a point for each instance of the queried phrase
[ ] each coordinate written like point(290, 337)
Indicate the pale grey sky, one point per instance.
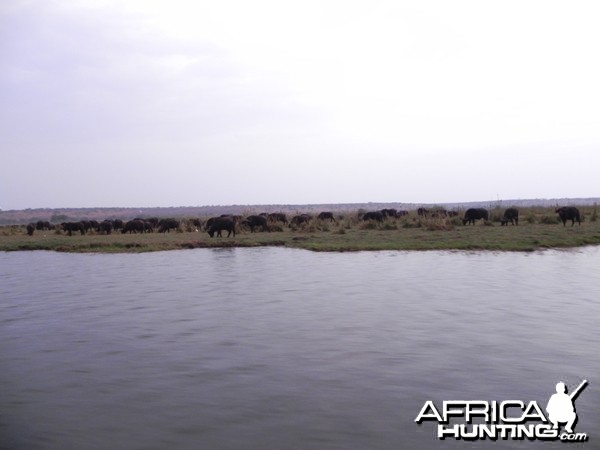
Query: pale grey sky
point(185, 103)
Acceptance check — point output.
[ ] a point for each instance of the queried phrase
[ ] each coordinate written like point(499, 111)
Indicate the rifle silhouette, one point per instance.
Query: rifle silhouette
point(579, 388)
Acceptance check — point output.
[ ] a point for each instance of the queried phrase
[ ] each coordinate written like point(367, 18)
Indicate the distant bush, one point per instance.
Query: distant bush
point(496, 215)
point(411, 224)
point(548, 220)
point(368, 225)
point(456, 221)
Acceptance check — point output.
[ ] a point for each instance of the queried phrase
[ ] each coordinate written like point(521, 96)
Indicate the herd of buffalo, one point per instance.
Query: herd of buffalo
point(265, 222)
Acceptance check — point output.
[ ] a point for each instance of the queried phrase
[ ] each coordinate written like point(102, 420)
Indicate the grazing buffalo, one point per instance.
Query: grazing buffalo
point(43, 225)
point(166, 225)
point(218, 224)
point(402, 213)
point(438, 212)
point(389, 212)
point(149, 224)
point(277, 217)
point(134, 226)
point(300, 219)
point(473, 214)
point(422, 212)
point(154, 222)
point(210, 221)
point(118, 224)
point(510, 215)
point(373, 215)
point(197, 223)
point(30, 229)
point(253, 222)
point(569, 213)
point(326, 215)
point(105, 226)
point(69, 227)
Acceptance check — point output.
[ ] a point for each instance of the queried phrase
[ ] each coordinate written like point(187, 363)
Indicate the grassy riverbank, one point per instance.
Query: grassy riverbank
point(537, 230)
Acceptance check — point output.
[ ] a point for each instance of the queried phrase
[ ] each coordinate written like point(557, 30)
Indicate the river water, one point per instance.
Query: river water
point(275, 348)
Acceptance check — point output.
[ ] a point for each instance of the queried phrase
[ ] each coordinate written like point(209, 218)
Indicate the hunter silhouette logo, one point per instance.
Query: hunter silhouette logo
point(508, 419)
point(561, 408)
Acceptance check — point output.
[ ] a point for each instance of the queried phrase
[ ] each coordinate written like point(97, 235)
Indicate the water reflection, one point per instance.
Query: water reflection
point(279, 348)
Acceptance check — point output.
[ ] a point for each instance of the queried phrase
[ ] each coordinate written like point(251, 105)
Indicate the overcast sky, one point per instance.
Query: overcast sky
point(189, 103)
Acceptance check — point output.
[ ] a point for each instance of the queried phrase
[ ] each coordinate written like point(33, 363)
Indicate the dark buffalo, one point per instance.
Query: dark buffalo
point(134, 226)
point(69, 227)
point(473, 214)
point(402, 213)
point(218, 224)
point(510, 215)
point(43, 225)
point(118, 224)
point(149, 224)
point(30, 229)
point(569, 213)
point(253, 222)
point(105, 226)
point(326, 215)
point(166, 225)
point(389, 212)
point(438, 213)
point(210, 221)
point(154, 221)
point(422, 212)
point(301, 219)
point(277, 217)
point(373, 215)
point(197, 223)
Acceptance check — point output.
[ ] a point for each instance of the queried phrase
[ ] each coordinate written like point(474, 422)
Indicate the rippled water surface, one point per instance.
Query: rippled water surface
point(276, 348)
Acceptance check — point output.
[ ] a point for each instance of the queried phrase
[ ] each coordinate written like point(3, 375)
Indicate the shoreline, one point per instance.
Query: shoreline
point(522, 238)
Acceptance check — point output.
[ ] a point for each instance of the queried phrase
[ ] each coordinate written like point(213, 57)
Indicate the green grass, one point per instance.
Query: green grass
point(538, 229)
point(350, 235)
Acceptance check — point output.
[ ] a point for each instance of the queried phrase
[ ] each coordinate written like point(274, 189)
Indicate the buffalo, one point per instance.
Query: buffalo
point(473, 214)
point(253, 222)
point(197, 223)
point(277, 217)
point(89, 225)
point(105, 226)
point(569, 213)
point(422, 212)
point(438, 213)
point(326, 215)
point(134, 226)
point(43, 225)
point(69, 227)
point(218, 224)
point(373, 215)
point(210, 221)
point(300, 219)
point(510, 215)
point(166, 225)
point(30, 229)
point(389, 212)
